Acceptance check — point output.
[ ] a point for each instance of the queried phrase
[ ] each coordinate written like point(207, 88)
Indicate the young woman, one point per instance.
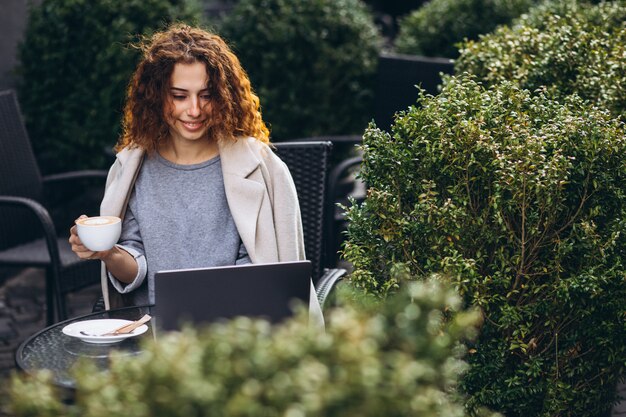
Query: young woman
point(194, 180)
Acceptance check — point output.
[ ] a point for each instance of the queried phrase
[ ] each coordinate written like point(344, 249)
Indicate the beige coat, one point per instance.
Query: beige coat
point(261, 196)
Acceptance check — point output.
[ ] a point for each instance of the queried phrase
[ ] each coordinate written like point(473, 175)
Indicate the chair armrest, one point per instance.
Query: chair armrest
point(327, 282)
point(75, 175)
point(335, 139)
point(44, 219)
point(345, 139)
point(339, 171)
point(330, 221)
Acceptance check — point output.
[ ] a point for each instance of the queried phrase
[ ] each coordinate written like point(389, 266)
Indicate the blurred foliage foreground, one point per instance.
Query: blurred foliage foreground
point(401, 357)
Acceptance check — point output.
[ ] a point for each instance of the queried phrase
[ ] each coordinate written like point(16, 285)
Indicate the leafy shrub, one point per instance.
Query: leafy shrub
point(311, 62)
point(403, 361)
point(567, 46)
point(74, 68)
point(437, 27)
point(520, 199)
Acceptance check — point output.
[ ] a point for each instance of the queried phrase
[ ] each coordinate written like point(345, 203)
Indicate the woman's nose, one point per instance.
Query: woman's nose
point(194, 108)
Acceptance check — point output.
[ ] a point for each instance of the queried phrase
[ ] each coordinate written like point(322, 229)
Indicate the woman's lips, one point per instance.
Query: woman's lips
point(192, 125)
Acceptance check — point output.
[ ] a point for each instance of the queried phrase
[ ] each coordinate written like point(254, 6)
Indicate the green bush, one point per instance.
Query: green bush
point(522, 201)
point(74, 68)
point(312, 63)
point(566, 46)
point(402, 361)
point(437, 27)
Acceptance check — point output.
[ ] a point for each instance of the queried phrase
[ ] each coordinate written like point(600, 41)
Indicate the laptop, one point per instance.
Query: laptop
point(205, 295)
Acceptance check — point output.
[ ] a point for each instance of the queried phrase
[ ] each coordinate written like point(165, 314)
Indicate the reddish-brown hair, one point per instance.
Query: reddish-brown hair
point(235, 109)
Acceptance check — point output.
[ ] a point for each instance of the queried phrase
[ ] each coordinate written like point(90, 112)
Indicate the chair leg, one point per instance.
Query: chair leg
point(61, 307)
point(50, 298)
point(55, 301)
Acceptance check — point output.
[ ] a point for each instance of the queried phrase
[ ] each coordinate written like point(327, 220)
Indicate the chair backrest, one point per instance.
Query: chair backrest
point(344, 162)
point(19, 172)
point(344, 146)
point(308, 164)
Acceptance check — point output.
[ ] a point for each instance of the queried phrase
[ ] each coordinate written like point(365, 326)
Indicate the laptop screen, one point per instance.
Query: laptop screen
point(205, 295)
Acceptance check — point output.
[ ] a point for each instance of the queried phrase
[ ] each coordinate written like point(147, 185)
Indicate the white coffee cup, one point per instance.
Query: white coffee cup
point(100, 232)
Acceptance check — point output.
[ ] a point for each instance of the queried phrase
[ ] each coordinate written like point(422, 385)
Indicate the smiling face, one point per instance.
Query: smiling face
point(188, 106)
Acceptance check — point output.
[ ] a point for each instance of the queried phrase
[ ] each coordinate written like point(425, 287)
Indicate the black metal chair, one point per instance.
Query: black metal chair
point(28, 235)
point(341, 185)
point(308, 163)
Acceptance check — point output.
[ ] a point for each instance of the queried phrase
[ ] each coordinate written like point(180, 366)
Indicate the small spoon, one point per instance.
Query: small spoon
point(125, 329)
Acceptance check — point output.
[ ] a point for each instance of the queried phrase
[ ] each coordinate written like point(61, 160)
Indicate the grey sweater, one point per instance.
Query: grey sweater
point(177, 217)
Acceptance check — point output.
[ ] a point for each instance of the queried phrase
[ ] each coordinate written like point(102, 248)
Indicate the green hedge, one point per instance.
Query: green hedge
point(312, 63)
point(74, 67)
point(565, 46)
point(403, 360)
point(437, 27)
point(520, 199)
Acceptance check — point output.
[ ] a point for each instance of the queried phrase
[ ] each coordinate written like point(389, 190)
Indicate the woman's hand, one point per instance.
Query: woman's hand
point(79, 249)
point(120, 263)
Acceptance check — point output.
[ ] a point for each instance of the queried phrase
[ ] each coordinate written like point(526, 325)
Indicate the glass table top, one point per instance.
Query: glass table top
point(52, 350)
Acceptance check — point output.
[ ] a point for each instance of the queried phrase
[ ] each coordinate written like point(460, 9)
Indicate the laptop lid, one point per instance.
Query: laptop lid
point(206, 295)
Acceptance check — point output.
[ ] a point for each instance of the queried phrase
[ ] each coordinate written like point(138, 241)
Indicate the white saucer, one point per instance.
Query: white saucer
point(96, 327)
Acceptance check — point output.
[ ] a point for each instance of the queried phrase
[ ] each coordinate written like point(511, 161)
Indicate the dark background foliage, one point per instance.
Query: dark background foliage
point(438, 26)
point(388, 12)
point(312, 63)
point(74, 67)
point(394, 8)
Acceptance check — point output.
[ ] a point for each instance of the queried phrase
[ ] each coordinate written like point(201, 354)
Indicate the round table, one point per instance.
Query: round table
point(52, 350)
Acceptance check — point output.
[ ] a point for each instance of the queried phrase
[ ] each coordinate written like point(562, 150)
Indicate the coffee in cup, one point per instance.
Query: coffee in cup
point(100, 232)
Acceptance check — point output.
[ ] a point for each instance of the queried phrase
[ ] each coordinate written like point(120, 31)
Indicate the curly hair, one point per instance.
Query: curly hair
point(235, 108)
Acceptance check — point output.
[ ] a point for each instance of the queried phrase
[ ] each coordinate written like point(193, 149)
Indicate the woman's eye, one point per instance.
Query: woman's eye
point(178, 97)
point(205, 97)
